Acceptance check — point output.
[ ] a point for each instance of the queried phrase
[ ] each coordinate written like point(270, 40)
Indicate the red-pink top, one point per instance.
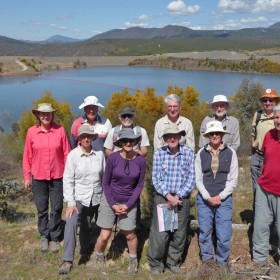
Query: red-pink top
point(45, 153)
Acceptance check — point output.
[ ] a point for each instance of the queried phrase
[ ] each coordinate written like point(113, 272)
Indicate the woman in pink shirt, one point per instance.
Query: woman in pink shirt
point(45, 151)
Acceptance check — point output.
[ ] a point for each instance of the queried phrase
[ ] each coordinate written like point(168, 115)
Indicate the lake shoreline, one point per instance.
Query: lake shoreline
point(11, 64)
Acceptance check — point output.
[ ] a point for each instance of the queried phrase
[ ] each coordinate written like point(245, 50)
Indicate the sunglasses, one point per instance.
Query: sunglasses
point(125, 140)
point(267, 100)
point(214, 133)
point(126, 116)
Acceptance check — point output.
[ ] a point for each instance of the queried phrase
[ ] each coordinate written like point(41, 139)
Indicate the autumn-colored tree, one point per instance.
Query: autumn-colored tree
point(63, 115)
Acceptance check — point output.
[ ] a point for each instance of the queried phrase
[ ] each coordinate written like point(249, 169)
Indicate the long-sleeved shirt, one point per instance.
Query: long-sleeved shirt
point(231, 177)
point(183, 124)
point(45, 153)
point(174, 173)
point(230, 124)
point(123, 179)
point(82, 178)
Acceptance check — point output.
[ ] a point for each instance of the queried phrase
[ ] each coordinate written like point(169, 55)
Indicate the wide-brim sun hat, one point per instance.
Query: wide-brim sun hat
point(214, 126)
point(86, 129)
point(127, 133)
point(220, 98)
point(270, 93)
point(90, 100)
point(173, 129)
point(43, 107)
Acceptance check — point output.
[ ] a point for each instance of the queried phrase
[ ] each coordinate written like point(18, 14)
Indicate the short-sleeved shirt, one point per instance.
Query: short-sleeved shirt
point(264, 125)
point(110, 140)
point(183, 124)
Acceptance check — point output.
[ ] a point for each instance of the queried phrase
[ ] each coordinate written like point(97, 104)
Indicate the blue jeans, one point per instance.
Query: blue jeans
point(221, 216)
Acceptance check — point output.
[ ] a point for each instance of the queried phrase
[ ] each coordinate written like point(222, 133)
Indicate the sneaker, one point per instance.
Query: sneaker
point(55, 246)
point(133, 266)
point(155, 270)
point(100, 261)
point(65, 267)
point(44, 244)
point(175, 269)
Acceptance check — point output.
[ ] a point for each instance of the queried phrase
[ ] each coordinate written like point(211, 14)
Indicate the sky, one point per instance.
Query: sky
point(39, 20)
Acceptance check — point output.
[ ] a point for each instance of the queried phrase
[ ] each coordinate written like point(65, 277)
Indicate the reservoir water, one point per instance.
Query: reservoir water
point(72, 86)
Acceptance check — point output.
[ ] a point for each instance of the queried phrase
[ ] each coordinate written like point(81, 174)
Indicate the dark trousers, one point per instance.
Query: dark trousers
point(167, 247)
point(70, 233)
point(49, 225)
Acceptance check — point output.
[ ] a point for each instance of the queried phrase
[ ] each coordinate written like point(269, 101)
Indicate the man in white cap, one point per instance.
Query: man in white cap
point(220, 106)
point(96, 123)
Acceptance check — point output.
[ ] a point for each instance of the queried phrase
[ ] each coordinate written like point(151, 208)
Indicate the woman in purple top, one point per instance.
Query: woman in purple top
point(123, 182)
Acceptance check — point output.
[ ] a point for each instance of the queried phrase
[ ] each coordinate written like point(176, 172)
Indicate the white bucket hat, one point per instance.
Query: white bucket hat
point(90, 100)
point(220, 98)
point(214, 126)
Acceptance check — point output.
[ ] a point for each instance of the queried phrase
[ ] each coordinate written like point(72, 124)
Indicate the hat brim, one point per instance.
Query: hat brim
point(35, 111)
point(136, 139)
point(83, 105)
point(230, 104)
point(182, 133)
point(277, 98)
point(205, 134)
point(95, 135)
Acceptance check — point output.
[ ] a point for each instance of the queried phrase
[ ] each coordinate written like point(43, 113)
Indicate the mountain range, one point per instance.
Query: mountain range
point(145, 41)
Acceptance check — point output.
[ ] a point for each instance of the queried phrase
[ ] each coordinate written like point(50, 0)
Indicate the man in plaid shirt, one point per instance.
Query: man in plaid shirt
point(173, 179)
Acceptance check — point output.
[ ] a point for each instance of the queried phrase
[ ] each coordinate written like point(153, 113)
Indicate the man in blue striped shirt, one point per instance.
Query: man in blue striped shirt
point(173, 179)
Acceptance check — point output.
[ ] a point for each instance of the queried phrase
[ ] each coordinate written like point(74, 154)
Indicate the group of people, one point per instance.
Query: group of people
point(100, 173)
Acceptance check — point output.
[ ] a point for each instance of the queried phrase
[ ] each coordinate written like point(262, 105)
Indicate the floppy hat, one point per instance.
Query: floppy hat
point(43, 107)
point(126, 110)
point(127, 133)
point(86, 129)
point(220, 98)
point(173, 129)
point(90, 100)
point(214, 126)
point(270, 93)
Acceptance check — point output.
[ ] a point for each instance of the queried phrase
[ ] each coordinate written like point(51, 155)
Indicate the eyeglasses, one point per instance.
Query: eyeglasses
point(267, 100)
point(214, 133)
point(127, 140)
point(172, 107)
point(126, 116)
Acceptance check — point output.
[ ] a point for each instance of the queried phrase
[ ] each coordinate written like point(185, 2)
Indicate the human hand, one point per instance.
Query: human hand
point(70, 210)
point(27, 185)
point(173, 199)
point(214, 201)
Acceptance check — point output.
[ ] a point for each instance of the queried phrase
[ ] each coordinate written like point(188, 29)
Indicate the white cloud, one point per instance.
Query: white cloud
point(134, 24)
point(36, 21)
point(254, 6)
point(144, 17)
point(195, 27)
point(178, 7)
point(219, 27)
point(254, 20)
point(56, 26)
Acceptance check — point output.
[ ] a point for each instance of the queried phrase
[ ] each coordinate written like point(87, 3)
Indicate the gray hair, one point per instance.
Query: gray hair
point(276, 109)
point(172, 97)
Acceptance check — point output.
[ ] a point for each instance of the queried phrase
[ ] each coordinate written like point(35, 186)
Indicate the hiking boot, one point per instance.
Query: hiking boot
point(44, 244)
point(261, 268)
point(65, 267)
point(155, 270)
point(84, 259)
point(55, 246)
point(175, 269)
point(224, 268)
point(133, 266)
point(99, 261)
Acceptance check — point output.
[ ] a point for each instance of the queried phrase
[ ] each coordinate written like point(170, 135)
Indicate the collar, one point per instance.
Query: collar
point(222, 147)
point(82, 153)
point(39, 130)
point(166, 148)
point(167, 121)
point(84, 119)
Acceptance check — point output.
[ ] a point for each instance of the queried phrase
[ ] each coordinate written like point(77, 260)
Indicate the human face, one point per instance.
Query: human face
point(91, 112)
point(45, 118)
point(85, 141)
point(172, 140)
point(277, 121)
point(220, 108)
point(173, 109)
point(127, 144)
point(268, 104)
point(127, 120)
point(215, 138)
